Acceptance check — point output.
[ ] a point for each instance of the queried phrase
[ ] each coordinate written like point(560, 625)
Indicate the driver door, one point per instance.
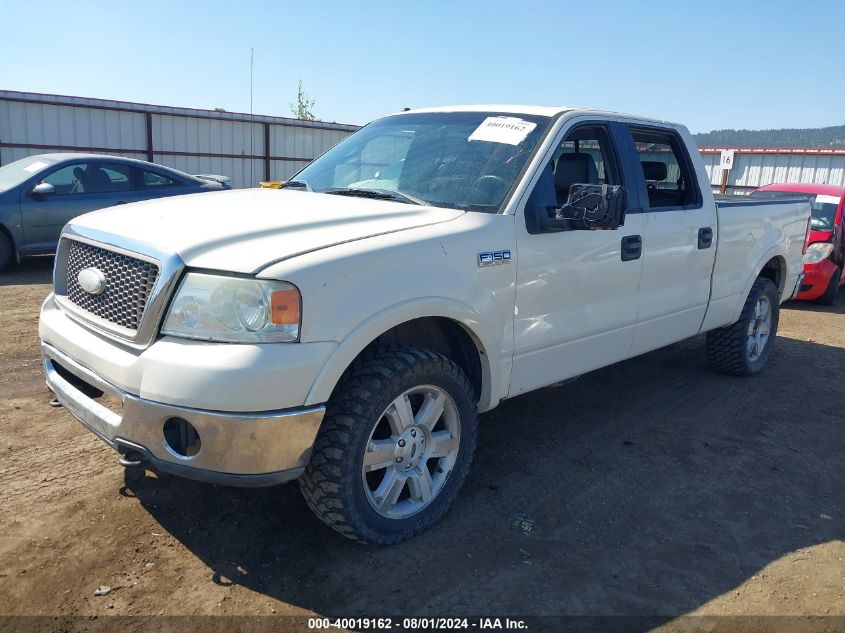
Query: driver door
point(576, 295)
point(76, 192)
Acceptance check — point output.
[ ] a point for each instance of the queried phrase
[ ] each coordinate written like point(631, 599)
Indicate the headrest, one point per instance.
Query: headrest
point(654, 170)
point(572, 168)
point(78, 173)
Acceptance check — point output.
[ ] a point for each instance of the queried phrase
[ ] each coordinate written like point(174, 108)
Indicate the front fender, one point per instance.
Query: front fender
point(495, 372)
point(10, 222)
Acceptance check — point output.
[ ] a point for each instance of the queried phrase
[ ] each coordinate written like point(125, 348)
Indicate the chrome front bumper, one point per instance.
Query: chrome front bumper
point(240, 449)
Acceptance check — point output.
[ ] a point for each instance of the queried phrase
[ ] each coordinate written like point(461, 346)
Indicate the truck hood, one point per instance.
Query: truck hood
point(245, 230)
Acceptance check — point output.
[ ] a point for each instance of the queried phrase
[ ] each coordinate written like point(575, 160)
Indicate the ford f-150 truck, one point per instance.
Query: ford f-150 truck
point(347, 329)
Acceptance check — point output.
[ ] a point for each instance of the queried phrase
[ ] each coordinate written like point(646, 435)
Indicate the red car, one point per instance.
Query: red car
point(824, 263)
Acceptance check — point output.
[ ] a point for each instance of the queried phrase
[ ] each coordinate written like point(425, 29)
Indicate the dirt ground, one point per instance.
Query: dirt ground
point(655, 487)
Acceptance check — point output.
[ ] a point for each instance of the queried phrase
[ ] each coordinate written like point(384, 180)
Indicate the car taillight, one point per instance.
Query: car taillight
point(807, 237)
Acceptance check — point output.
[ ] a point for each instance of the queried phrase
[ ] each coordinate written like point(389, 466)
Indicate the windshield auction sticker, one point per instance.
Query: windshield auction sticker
point(502, 129)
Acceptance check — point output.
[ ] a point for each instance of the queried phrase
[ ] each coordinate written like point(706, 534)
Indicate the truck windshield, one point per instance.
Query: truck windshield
point(13, 174)
point(460, 160)
point(823, 207)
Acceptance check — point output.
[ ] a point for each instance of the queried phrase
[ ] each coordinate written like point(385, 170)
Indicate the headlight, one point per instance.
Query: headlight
point(234, 310)
point(817, 252)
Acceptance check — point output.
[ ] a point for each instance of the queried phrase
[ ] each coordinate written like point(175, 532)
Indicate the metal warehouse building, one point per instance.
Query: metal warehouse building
point(252, 148)
point(244, 147)
point(755, 167)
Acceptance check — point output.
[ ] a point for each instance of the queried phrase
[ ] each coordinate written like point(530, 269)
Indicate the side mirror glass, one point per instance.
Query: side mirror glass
point(596, 206)
point(43, 189)
point(589, 207)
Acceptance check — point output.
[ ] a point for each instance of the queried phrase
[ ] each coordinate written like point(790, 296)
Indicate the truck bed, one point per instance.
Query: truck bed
point(746, 226)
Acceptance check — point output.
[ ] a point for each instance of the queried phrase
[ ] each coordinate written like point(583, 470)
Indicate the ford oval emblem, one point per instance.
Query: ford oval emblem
point(92, 280)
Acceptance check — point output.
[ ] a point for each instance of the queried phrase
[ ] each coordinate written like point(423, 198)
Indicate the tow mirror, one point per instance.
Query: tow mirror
point(43, 189)
point(589, 207)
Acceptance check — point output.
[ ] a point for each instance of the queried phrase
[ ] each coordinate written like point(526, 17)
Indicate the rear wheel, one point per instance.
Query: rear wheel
point(743, 348)
point(394, 448)
point(829, 296)
point(5, 251)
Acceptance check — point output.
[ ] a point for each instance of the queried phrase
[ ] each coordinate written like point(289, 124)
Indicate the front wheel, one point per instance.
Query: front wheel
point(395, 446)
point(743, 348)
point(5, 251)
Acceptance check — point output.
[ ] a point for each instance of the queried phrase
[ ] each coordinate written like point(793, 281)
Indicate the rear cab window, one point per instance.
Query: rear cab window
point(670, 181)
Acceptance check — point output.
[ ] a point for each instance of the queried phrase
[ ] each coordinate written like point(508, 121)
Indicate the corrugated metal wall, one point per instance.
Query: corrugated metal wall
point(246, 148)
point(756, 167)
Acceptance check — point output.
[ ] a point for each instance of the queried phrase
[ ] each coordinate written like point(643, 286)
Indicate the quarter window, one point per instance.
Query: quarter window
point(153, 180)
point(666, 169)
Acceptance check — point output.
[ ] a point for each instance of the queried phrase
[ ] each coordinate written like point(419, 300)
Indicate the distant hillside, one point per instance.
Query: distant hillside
point(833, 137)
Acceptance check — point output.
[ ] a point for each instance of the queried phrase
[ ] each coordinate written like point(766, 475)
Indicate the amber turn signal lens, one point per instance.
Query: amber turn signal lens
point(284, 307)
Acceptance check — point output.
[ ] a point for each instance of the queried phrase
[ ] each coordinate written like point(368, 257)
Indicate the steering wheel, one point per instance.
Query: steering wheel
point(488, 185)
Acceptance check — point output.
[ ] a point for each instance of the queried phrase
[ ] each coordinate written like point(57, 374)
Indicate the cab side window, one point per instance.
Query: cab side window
point(80, 178)
point(585, 156)
point(67, 180)
point(666, 169)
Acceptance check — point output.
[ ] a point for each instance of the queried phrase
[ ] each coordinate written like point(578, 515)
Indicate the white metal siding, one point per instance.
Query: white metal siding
point(41, 124)
point(206, 136)
point(757, 169)
point(195, 141)
point(284, 169)
point(238, 169)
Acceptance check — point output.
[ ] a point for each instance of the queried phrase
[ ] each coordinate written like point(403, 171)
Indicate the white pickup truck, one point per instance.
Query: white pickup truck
point(347, 329)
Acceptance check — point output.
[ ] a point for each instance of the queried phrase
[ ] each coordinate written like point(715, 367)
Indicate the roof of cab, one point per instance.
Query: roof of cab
point(504, 108)
point(549, 111)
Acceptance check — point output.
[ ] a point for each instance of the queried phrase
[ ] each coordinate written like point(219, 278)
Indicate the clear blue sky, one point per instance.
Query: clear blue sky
point(709, 64)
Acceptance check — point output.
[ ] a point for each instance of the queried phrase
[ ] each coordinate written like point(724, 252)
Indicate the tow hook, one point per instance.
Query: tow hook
point(131, 459)
point(55, 403)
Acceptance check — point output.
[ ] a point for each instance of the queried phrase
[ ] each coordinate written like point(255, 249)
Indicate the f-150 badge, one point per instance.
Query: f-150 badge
point(494, 257)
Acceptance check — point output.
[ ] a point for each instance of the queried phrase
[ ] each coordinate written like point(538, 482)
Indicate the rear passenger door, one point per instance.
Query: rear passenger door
point(679, 240)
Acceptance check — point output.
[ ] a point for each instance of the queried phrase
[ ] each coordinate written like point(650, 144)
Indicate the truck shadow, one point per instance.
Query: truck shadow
point(812, 306)
point(651, 487)
point(32, 270)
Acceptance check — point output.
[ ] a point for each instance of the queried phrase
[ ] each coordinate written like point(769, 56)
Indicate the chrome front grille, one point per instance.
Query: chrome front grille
point(129, 284)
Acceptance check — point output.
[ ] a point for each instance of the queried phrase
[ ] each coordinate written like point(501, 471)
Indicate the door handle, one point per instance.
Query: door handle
point(705, 238)
point(632, 247)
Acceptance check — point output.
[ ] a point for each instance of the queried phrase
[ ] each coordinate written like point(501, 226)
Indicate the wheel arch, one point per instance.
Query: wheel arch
point(775, 271)
point(8, 233)
point(450, 328)
point(771, 266)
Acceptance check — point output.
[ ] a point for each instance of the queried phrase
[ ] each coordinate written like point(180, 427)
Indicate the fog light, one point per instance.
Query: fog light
point(181, 437)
